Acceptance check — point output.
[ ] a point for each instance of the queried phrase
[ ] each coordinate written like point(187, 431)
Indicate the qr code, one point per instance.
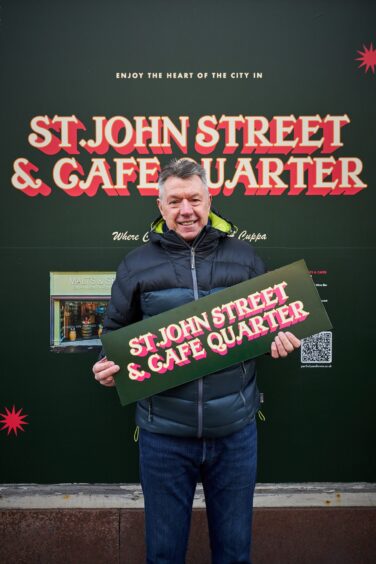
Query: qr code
point(317, 349)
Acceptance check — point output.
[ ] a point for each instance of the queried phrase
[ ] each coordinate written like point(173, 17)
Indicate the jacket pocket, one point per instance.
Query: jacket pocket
point(150, 410)
point(244, 375)
point(242, 383)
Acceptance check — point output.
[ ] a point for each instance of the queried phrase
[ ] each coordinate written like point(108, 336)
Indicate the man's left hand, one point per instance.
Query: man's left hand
point(284, 344)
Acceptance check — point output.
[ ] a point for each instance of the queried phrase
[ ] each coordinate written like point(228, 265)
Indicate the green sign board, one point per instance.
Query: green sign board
point(214, 332)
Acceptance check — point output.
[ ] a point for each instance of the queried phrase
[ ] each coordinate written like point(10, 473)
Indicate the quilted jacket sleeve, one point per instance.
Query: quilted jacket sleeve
point(124, 306)
point(258, 267)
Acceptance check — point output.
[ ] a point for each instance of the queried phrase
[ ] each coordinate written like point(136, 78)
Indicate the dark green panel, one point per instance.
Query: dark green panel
point(61, 59)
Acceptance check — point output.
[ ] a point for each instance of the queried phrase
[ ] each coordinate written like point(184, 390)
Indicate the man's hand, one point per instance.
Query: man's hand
point(104, 371)
point(284, 344)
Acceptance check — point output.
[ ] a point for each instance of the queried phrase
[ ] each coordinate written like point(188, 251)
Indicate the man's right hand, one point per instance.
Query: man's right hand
point(104, 371)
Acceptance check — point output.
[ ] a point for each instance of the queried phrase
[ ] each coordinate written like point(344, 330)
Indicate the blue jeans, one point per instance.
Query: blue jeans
point(170, 469)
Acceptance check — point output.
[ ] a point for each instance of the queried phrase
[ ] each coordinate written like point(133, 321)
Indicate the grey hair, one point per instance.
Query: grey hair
point(182, 168)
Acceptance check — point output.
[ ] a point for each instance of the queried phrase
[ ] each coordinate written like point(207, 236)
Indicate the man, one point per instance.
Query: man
point(203, 429)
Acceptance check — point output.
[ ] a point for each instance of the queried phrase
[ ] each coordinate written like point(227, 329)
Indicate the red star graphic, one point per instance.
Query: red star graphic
point(368, 58)
point(13, 420)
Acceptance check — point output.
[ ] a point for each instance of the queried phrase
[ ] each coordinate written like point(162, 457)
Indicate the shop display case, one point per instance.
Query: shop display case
point(78, 302)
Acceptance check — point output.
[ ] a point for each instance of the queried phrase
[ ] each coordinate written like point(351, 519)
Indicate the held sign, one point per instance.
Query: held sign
point(214, 332)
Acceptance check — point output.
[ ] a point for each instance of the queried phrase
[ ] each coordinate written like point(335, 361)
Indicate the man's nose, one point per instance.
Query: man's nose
point(185, 207)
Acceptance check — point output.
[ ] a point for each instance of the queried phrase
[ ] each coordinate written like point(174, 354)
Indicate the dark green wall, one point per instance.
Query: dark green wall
point(61, 58)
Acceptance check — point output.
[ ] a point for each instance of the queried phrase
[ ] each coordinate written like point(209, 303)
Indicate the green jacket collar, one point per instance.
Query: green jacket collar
point(216, 221)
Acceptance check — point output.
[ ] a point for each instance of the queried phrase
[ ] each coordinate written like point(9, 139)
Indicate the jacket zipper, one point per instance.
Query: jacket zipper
point(194, 276)
point(200, 382)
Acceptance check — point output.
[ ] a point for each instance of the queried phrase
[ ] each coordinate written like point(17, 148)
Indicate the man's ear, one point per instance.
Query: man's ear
point(159, 204)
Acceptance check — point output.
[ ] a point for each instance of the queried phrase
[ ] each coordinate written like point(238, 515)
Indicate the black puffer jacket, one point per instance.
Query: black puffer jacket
point(166, 273)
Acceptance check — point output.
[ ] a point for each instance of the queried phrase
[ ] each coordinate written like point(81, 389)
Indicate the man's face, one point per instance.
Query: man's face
point(185, 206)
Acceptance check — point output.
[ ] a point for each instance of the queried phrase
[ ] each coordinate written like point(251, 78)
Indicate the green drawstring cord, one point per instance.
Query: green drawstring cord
point(261, 415)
